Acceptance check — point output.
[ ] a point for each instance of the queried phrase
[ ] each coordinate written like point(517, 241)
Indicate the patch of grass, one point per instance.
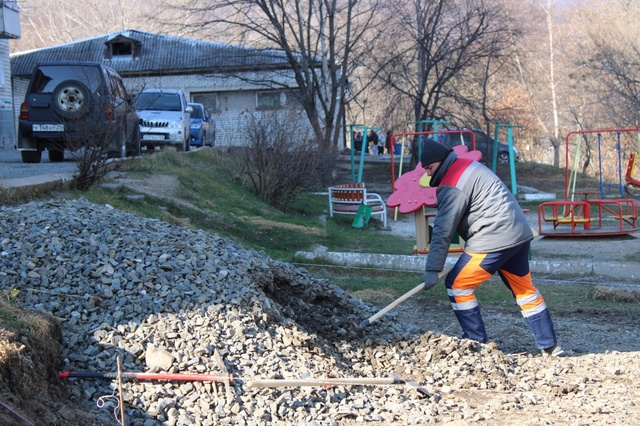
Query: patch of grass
point(14, 196)
point(560, 298)
point(216, 201)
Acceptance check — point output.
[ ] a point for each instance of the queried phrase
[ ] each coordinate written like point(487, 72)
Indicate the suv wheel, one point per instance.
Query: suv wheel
point(71, 99)
point(56, 156)
point(31, 156)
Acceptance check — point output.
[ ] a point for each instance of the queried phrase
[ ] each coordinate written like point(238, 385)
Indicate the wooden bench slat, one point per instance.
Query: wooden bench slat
point(347, 198)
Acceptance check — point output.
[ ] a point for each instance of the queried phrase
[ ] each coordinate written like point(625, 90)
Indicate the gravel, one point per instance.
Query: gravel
point(167, 298)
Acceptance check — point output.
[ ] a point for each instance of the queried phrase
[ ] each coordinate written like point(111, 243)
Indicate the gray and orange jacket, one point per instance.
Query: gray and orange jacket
point(473, 201)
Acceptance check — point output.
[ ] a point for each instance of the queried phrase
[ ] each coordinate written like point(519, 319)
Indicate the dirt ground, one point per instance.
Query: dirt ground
point(612, 337)
point(579, 333)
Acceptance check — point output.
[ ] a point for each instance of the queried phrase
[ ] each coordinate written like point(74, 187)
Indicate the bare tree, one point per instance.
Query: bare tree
point(276, 169)
point(611, 54)
point(317, 38)
point(433, 47)
point(50, 22)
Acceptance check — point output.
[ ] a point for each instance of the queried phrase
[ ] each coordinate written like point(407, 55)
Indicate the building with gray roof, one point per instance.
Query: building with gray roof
point(233, 82)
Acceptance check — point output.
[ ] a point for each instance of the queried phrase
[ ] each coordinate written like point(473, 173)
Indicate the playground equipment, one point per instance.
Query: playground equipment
point(419, 127)
point(363, 148)
point(633, 183)
point(584, 211)
point(414, 195)
point(424, 135)
point(512, 165)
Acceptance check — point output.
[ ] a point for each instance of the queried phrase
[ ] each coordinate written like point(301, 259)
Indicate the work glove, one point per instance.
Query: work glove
point(430, 279)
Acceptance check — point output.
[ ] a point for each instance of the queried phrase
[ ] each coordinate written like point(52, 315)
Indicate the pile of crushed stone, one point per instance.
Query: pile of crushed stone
point(164, 298)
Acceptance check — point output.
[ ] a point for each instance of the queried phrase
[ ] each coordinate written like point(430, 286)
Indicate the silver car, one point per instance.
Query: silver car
point(164, 118)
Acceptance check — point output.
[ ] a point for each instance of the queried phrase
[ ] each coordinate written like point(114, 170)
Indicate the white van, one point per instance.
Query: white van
point(164, 118)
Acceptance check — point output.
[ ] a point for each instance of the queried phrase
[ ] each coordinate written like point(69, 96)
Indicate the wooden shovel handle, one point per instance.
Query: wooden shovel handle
point(399, 300)
point(282, 383)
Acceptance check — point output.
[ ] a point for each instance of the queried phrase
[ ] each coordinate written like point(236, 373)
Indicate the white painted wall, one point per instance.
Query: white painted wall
point(7, 122)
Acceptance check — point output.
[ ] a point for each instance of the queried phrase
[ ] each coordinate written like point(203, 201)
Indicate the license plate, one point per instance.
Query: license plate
point(48, 127)
point(152, 137)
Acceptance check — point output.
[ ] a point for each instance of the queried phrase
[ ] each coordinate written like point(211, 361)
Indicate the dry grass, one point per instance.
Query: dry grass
point(32, 323)
point(612, 295)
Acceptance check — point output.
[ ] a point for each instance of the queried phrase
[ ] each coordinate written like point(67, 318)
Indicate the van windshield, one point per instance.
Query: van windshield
point(158, 102)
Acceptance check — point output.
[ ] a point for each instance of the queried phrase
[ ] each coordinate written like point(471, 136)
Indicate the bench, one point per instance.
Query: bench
point(346, 199)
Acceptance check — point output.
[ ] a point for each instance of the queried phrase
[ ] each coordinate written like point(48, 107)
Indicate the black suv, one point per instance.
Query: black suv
point(484, 143)
point(71, 104)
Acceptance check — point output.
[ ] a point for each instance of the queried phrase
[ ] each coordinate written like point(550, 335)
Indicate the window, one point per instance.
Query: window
point(208, 99)
point(121, 50)
point(270, 100)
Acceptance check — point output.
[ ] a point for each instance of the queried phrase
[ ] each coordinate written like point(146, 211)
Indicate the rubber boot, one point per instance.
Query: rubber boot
point(472, 324)
point(541, 326)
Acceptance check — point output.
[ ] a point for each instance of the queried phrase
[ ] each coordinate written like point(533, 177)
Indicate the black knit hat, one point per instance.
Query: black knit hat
point(433, 152)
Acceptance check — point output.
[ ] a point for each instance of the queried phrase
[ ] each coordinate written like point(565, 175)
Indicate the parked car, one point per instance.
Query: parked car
point(164, 118)
point(484, 144)
point(203, 128)
point(71, 104)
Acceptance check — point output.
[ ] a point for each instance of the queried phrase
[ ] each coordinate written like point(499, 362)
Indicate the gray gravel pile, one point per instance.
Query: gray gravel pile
point(169, 298)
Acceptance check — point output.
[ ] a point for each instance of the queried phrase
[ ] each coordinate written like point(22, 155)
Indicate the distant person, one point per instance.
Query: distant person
point(476, 204)
point(381, 145)
point(373, 140)
point(389, 141)
point(357, 141)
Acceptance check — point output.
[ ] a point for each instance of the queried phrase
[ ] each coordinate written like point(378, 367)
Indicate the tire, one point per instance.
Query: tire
point(55, 155)
point(31, 156)
point(503, 158)
point(71, 99)
point(631, 189)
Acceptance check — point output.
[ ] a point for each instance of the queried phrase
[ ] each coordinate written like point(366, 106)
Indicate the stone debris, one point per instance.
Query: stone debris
point(170, 298)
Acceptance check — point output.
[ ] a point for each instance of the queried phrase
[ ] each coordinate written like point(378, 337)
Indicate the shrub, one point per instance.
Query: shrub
point(281, 159)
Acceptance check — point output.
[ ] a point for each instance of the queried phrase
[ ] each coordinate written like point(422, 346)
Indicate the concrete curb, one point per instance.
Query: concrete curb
point(37, 181)
point(618, 271)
